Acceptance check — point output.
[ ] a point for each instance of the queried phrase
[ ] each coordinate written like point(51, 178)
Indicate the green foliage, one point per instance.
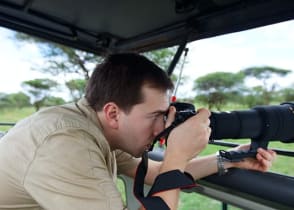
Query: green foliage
point(253, 96)
point(65, 60)
point(214, 90)
point(264, 74)
point(17, 100)
point(41, 84)
point(39, 90)
point(76, 87)
point(252, 100)
point(52, 101)
point(217, 89)
point(219, 81)
point(286, 94)
point(62, 59)
point(161, 57)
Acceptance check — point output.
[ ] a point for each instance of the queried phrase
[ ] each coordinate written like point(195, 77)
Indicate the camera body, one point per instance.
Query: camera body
point(183, 112)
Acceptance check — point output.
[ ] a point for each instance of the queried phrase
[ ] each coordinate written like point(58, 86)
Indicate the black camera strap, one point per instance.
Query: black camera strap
point(162, 134)
point(163, 182)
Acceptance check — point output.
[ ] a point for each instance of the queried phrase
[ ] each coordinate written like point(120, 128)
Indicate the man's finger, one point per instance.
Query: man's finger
point(170, 116)
point(205, 113)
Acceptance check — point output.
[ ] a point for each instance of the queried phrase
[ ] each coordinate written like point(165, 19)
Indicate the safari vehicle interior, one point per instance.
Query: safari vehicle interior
point(103, 27)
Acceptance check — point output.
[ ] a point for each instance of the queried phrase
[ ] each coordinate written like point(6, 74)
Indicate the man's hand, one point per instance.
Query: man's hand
point(263, 161)
point(189, 138)
point(184, 143)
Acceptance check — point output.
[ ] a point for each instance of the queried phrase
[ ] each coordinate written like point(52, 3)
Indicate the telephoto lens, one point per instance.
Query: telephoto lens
point(271, 123)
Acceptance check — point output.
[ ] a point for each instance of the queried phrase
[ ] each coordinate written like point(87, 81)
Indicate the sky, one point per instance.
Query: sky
point(265, 46)
point(271, 46)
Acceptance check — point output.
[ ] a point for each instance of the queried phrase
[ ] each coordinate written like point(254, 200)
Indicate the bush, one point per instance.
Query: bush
point(15, 100)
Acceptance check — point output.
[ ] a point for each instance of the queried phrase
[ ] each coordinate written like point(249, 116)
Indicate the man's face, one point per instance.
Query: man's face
point(145, 120)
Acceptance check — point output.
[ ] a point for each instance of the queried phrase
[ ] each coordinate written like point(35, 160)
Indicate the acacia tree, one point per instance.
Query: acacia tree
point(18, 100)
point(76, 88)
point(287, 94)
point(161, 57)
point(39, 90)
point(61, 59)
point(265, 75)
point(216, 89)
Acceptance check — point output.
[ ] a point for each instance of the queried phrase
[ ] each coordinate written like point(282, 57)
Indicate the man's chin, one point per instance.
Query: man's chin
point(140, 154)
point(136, 154)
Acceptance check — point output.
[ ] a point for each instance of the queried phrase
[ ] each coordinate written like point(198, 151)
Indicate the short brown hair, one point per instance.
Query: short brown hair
point(120, 78)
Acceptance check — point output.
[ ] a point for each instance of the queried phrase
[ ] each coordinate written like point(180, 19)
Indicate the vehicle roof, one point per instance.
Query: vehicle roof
point(103, 26)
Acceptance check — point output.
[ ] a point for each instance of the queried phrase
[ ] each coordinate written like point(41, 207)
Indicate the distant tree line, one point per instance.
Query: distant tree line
point(251, 86)
point(40, 93)
point(214, 89)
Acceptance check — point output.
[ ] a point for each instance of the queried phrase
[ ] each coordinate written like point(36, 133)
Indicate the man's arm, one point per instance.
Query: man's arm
point(182, 138)
point(207, 165)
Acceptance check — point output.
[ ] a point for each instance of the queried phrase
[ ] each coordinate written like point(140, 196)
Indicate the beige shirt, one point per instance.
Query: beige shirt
point(59, 159)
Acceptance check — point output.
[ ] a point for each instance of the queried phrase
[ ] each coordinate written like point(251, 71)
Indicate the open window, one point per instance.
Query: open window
point(103, 27)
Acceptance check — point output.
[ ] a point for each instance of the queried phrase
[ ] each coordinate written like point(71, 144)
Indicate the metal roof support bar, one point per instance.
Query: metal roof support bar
point(176, 58)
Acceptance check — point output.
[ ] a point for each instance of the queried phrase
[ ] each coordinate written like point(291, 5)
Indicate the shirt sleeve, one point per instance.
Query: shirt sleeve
point(70, 172)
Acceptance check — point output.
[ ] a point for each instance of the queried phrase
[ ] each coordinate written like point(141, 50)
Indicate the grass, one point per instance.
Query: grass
point(188, 201)
point(13, 115)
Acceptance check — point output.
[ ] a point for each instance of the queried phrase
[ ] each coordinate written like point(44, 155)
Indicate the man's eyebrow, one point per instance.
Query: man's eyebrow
point(159, 112)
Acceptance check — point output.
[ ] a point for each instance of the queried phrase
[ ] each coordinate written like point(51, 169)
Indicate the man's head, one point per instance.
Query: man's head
point(129, 94)
point(120, 79)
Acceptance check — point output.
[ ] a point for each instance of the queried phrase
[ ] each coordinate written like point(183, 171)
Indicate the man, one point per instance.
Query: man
point(67, 157)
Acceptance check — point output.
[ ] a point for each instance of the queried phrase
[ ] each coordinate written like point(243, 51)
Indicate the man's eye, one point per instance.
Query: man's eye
point(155, 117)
point(160, 117)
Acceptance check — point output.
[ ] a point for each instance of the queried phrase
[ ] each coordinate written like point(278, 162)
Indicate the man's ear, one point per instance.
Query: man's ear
point(111, 113)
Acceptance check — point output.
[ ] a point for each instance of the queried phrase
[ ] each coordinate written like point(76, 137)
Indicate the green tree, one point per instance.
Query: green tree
point(52, 101)
point(39, 90)
point(76, 87)
point(18, 100)
point(287, 94)
point(265, 75)
point(161, 57)
point(216, 89)
point(65, 60)
point(61, 59)
point(252, 96)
